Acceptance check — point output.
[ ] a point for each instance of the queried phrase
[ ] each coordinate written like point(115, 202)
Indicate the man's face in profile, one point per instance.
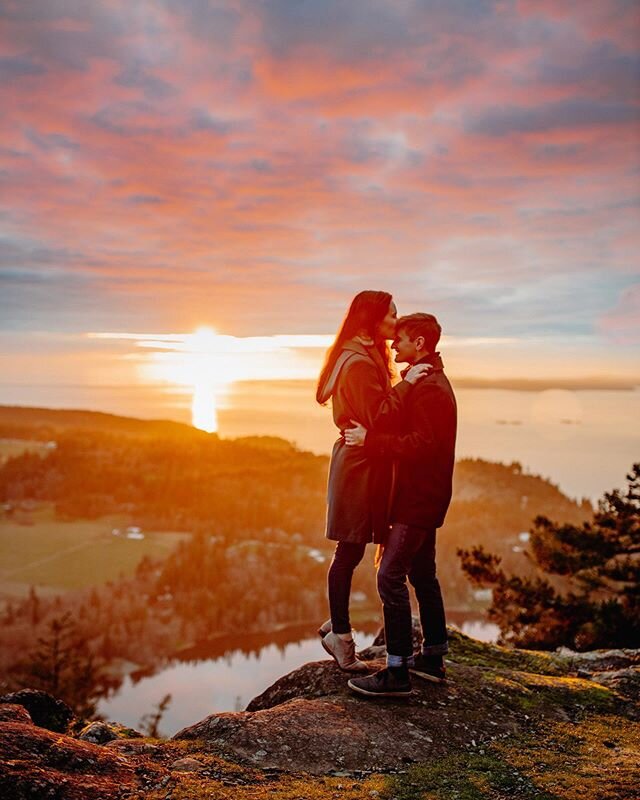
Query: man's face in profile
point(404, 347)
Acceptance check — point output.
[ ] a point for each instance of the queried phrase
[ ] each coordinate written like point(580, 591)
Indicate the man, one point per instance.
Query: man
point(424, 453)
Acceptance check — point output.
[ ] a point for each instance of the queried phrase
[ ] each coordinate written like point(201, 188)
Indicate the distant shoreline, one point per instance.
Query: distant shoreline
point(511, 384)
point(542, 385)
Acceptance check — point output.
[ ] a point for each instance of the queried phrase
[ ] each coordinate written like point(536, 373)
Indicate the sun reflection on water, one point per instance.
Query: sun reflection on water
point(208, 366)
point(204, 411)
point(208, 363)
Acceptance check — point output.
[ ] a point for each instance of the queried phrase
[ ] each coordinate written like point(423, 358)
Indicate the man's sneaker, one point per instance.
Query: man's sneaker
point(344, 652)
point(382, 684)
point(431, 668)
point(324, 629)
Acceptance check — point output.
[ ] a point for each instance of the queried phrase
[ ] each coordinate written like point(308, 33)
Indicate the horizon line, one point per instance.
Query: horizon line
point(585, 383)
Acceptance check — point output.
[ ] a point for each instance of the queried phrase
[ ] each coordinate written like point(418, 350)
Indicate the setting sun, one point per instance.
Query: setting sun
point(207, 363)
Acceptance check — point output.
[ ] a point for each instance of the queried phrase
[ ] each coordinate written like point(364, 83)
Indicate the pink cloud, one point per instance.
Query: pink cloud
point(191, 156)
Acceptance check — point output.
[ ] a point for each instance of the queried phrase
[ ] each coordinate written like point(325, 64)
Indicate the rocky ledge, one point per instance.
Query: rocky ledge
point(509, 723)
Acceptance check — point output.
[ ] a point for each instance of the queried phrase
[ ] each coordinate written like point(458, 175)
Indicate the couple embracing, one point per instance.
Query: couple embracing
point(390, 483)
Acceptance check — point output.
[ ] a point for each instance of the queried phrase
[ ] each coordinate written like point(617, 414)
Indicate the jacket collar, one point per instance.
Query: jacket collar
point(433, 358)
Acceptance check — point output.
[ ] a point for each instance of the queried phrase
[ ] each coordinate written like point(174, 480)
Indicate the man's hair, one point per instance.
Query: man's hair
point(420, 324)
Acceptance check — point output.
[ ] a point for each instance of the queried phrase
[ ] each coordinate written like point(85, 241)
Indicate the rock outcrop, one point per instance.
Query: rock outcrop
point(334, 730)
point(309, 720)
point(38, 763)
point(514, 719)
point(44, 710)
point(103, 732)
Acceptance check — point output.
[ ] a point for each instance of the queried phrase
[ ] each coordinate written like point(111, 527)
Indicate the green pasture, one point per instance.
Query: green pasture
point(50, 554)
point(10, 448)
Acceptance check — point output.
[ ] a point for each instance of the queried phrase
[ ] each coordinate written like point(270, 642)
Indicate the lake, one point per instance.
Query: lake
point(226, 675)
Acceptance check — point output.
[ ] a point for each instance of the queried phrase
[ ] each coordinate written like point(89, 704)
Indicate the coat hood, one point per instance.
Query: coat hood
point(349, 349)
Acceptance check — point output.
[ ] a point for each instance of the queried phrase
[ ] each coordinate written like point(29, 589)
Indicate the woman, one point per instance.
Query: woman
point(356, 376)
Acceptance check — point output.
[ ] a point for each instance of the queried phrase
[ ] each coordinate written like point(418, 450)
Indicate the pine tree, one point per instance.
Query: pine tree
point(63, 665)
point(9, 613)
point(595, 599)
point(34, 606)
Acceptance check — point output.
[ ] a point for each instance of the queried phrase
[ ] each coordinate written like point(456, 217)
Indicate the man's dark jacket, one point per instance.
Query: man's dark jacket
point(424, 450)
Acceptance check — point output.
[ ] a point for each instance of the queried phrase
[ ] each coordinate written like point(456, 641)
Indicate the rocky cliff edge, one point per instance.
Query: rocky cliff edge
point(507, 723)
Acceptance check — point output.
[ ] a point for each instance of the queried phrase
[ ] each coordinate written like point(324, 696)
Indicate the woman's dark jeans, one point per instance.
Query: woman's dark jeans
point(346, 558)
point(411, 552)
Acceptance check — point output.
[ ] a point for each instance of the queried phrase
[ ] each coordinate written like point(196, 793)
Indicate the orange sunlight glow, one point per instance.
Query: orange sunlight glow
point(207, 363)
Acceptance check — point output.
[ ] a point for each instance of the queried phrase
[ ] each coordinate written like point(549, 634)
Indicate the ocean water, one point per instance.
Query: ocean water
point(584, 441)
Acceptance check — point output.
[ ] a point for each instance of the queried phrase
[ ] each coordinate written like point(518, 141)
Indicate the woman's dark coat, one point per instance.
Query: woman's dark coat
point(359, 485)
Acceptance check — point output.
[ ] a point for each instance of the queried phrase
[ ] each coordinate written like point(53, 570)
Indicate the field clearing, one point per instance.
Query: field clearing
point(10, 448)
point(58, 555)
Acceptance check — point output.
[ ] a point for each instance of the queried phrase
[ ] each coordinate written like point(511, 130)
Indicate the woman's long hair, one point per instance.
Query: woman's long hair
point(366, 312)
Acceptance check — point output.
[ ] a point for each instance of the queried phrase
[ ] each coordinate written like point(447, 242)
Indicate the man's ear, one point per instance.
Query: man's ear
point(419, 342)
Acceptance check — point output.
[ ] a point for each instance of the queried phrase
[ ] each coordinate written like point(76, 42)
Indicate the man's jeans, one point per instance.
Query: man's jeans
point(411, 552)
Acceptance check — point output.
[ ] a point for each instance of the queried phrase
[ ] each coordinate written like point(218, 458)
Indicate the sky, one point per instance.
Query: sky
point(250, 165)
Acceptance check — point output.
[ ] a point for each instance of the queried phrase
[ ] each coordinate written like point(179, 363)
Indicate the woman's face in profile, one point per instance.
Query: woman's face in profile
point(387, 328)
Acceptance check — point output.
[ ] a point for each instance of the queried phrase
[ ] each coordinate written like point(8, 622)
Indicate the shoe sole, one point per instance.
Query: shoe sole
point(426, 676)
point(344, 669)
point(378, 694)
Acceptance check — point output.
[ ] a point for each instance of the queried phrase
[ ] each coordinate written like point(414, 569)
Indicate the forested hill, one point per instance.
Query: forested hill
point(21, 422)
point(169, 475)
